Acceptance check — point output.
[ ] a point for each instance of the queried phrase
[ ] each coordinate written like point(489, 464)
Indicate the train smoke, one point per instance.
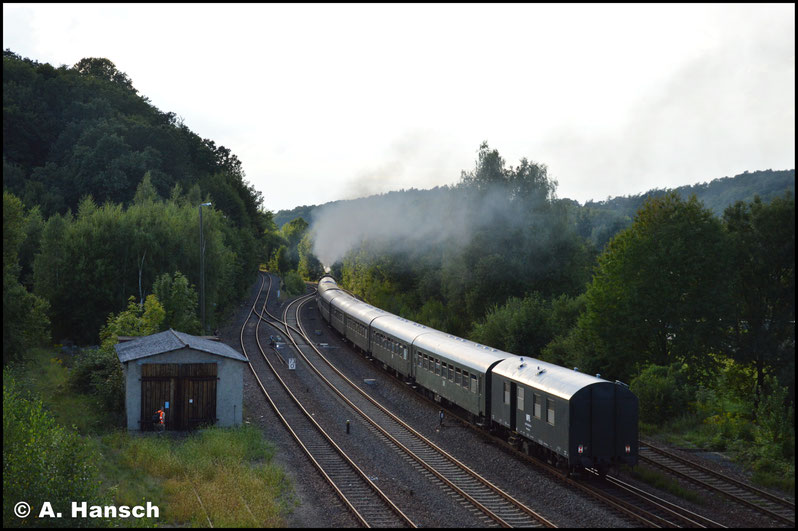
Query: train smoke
point(416, 220)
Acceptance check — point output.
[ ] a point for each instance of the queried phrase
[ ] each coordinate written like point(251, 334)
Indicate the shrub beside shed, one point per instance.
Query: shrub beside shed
point(196, 380)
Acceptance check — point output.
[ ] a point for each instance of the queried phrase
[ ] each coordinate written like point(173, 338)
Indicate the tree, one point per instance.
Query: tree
point(293, 232)
point(25, 322)
point(43, 462)
point(280, 262)
point(763, 237)
point(146, 191)
point(660, 293)
point(309, 267)
point(98, 371)
point(179, 301)
point(102, 68)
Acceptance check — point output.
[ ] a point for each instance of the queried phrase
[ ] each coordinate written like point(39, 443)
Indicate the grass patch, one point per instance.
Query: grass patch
point(663, 482)
point(229, 469)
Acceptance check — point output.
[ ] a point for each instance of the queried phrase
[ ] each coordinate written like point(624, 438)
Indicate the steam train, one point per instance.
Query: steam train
point(572, 419)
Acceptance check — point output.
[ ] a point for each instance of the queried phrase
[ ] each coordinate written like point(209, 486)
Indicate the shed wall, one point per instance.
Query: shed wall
point(229, 388)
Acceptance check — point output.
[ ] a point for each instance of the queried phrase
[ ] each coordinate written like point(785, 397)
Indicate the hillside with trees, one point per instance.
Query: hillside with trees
point(109, 188)
point(599, 220)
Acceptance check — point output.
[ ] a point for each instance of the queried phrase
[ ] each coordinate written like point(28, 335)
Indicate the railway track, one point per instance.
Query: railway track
point(497, 507)
point(779, 509)
point(657, 511)
point(640, 507)
point(370, 506)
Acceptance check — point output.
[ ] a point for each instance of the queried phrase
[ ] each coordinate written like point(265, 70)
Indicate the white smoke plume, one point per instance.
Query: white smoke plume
point(413, 219)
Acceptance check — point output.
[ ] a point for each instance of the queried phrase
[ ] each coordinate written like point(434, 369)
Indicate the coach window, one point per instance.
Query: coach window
point(465, 379)
point(458, 379)
point(443, 370)
point(474, 385)
point(506, 392)
point(536, 405)
point(420, 359)
point(520, 398)
point(451, 373)
point(550, 411)
point(426, 362)
point(437, 366)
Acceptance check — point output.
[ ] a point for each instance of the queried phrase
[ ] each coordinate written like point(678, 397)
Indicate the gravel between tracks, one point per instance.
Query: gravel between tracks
point(315, 504)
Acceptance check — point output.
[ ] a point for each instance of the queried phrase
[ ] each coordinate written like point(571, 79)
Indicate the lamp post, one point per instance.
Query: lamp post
point(202, 268)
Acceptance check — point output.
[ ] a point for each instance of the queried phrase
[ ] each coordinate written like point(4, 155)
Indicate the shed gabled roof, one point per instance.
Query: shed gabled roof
point(169, 341)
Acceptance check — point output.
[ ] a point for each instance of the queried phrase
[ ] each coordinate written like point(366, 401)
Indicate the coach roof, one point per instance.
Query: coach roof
point(462, 351)
point(547, 377)
point(169, 341)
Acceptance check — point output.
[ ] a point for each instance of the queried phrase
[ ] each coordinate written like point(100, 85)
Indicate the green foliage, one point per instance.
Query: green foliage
point(280, 262)
point(723, 418)
point(662, 392)
point(179, 300)
point(43, 462)
point(775, 418)
point(25, 322)
point(763, 284)
point(146, 191)
point(294, 285)
point(660, 293)
point(526, 326)
point(309, 266)
point(103, 250)
point(283, 217)
point(137, 320)
point(98, 371)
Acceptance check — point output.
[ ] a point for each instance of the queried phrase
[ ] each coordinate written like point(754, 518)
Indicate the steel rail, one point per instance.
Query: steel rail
point(760, 497)
point(517, 505)
point(363, 520)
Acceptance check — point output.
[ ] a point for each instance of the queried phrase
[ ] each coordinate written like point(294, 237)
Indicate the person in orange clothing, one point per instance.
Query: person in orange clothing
point(158, 418)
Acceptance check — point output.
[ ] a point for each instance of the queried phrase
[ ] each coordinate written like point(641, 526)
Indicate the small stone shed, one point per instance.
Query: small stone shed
point(198, 381)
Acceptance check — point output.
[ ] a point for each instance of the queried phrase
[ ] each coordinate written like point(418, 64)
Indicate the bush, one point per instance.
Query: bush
point(775, 429)
point(43, 462)
point(294, 285)
point(98, 372)
point(662, 393)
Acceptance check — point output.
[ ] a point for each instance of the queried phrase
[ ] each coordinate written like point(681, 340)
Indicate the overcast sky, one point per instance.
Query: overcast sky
point(325, 102)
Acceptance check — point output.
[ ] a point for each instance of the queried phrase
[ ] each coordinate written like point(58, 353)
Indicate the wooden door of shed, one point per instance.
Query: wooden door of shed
point(198, 394)
point(189, 388)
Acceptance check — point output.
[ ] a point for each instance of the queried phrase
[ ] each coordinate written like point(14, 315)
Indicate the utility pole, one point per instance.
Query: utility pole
point(202, 268)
